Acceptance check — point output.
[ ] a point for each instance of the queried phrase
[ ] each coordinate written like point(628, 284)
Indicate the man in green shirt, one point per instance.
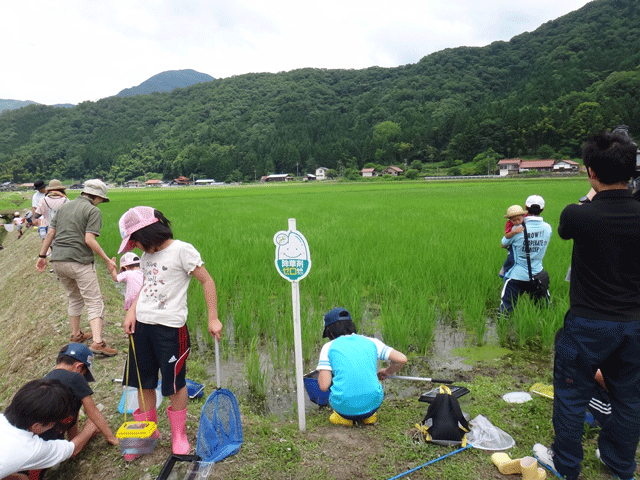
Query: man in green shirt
point(73, 233)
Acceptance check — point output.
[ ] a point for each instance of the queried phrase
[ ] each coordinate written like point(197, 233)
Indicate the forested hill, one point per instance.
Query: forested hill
point(166, 82)
point(539, 93)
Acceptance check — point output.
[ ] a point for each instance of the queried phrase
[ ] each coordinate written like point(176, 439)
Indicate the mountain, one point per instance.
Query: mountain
point(538, 95)
point(166, 82)
point(6, 104)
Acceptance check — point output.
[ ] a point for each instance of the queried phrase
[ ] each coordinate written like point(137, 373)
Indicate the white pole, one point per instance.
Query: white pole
point(297, 334)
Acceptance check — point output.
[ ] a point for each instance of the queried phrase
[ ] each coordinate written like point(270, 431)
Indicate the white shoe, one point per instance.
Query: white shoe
point(544, 456)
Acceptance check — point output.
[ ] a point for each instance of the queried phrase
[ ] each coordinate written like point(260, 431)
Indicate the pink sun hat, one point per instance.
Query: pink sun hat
point(133, 220)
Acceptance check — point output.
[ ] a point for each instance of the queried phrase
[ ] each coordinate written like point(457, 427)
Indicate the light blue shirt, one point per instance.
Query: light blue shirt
point(539, 234)
point(353, 359)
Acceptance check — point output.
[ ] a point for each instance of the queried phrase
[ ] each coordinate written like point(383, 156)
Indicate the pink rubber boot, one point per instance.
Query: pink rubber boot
point(179, 441)
point(150, 416)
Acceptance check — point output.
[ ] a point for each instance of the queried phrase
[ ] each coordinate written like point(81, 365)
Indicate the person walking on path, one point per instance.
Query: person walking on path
point(40, 188)
point(46, 210)
point(602, 327)
point(73, 233)
point(131, 275)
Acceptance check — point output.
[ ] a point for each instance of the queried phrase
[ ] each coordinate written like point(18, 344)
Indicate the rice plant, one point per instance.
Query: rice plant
point(400, 256)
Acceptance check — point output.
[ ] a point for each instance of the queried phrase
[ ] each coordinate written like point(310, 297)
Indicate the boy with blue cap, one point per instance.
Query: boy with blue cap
point(348, 365)
point(73, 369)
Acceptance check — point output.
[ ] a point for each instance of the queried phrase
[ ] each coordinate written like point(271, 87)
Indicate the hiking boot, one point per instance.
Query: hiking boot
point(102, 349)
point(81, 337)
point(544, 456)
point(602, 461)
point(336, 419)
point(372, 420)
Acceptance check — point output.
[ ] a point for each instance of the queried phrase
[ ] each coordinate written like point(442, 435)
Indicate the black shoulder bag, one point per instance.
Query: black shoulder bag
point(540, 280)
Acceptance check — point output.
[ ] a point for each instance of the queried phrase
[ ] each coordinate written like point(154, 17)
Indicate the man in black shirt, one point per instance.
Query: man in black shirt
point(602, 327)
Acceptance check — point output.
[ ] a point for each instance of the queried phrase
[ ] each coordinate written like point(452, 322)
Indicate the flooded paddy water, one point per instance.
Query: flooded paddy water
point(448, 359)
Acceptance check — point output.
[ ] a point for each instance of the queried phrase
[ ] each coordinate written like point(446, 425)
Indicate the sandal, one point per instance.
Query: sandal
point(81, 337)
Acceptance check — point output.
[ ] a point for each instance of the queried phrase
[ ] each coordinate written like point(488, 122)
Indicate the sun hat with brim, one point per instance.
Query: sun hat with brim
point(56, 185)
point(129, 258)
point(96, 187)
point(133, 220)
point(81, 352)
point(514, 211)
point(535, 200)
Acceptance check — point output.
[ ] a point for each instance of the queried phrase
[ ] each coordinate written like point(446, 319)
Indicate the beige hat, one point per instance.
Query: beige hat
point(96, 187)
point(514, 211)
point(56, 185)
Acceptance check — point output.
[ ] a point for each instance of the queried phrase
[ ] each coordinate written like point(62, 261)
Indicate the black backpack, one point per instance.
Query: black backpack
point(447, 425)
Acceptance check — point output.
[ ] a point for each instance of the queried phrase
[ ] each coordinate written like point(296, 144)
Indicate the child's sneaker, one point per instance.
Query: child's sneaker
point(602, 461)
point(336, 419)
point(544, 456)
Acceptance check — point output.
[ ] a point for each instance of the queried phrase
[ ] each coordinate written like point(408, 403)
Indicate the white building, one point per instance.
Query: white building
point(321, 173)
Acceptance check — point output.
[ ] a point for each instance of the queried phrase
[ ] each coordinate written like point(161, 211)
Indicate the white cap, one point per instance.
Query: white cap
point(535, 200)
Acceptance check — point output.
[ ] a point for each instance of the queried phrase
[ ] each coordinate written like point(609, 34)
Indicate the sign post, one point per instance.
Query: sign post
point(293, 263)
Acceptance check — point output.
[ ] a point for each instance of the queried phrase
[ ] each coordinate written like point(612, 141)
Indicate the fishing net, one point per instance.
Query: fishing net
point(485, 436)
point(220, 430)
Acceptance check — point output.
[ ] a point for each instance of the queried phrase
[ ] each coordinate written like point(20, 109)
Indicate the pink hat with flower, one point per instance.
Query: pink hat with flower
point(133, 220)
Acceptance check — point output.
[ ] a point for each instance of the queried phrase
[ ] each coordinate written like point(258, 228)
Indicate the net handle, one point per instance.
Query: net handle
point(218, 363)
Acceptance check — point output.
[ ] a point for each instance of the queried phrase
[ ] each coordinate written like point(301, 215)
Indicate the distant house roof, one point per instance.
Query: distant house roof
point(570, 162)
point(509, 161)
point(153, 182)
point(393, 169)
point(367, 170)
point(537, 163)
point(278, 177)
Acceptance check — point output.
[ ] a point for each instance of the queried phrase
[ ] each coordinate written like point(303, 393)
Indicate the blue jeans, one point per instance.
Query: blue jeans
point(584, 346)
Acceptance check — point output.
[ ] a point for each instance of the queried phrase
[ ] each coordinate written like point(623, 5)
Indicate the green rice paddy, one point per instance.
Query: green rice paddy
point(400, 256)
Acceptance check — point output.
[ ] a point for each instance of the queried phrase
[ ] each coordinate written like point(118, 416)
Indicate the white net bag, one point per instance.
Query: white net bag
point(485, 436)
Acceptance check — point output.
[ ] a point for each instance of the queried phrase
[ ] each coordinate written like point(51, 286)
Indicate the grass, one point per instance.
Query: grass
point(406, 254)
point(273, 446)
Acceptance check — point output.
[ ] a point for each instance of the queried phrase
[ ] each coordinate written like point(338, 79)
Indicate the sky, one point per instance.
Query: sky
point(70, 51)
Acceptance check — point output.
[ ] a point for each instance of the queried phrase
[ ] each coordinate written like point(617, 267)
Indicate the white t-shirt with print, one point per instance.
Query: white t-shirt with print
point(167, 273)
point(22, 450)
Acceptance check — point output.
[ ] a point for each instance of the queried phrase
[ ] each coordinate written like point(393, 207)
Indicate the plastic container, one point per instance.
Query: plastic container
point(194, 389)
point(456, 391)
point(430, 396)
point(136, 437)
point(130, 396)
point(312, 387)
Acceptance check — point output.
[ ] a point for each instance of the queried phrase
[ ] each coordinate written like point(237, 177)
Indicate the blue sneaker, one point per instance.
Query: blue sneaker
point(614, 475)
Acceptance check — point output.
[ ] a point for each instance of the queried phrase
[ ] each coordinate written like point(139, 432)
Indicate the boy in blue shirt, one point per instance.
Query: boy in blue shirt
point(348, 366)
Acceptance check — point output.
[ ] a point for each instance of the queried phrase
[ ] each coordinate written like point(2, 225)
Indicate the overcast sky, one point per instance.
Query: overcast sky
point(69, 51)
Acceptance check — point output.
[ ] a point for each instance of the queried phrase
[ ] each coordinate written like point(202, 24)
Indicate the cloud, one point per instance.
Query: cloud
point(68, 52)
